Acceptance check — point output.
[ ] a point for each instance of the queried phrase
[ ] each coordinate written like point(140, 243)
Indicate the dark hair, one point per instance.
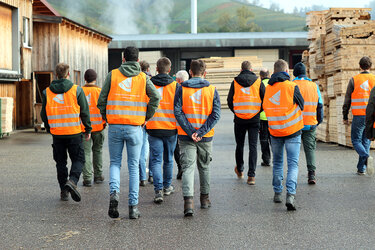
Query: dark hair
point(365, 63)
point(280, 66)
point(264, 73)
point(163, 65)
point(62, 70)
point(90, 75)
point(131, 54)
point(197, 67)
point(246, 65)
point(144, 65)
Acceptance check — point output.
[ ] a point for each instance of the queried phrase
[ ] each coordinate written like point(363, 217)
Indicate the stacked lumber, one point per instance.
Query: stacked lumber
point(222, 70)
point(339, 38)
point(6, 115)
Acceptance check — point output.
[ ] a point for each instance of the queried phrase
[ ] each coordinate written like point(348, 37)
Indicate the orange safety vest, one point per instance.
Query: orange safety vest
point(363, 83)
point(309, 92)
point(63, 112)
point(246, 101)
point(127, 99)
point(197, 105)
point(164, 116)
point(92, 96)
point(284, 117)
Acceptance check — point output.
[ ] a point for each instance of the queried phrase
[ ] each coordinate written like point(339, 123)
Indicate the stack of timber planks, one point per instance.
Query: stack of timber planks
point(222, 70)
point(6, 112)
point(339, 38)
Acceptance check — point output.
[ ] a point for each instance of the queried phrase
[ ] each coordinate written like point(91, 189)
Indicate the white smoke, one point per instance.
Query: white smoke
point(122, 16)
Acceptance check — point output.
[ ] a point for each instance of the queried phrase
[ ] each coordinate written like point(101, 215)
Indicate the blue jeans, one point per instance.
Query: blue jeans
point(118, 135)
point(144, 155)
point(161, 153)
point(360, 143)
point(292, 146)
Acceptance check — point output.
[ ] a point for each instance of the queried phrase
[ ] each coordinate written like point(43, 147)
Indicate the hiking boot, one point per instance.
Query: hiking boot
point(142, 183)
point(113, 204)
point(151, 179)
point(205, 202)
point(134, 212)
point(238, 173)
point(87, 183)
point(370, 166)
point(265, 164)
point(251, 180)
point(158, 196)
point(64, 195)
point(289, 203)
point(98, 179)
point(72, 189)
point(188, 206)
point(277, 198)
point(169, 190)
point(311, 178)
point(179, 173)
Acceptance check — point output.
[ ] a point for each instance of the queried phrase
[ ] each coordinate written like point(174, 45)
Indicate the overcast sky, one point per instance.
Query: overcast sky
point(288, 5)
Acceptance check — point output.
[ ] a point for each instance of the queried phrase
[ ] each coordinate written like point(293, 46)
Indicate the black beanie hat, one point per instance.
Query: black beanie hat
point(299, 69)
point(90, 75)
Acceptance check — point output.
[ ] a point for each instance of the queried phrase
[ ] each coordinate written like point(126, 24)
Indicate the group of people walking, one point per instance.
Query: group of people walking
point(176, 117)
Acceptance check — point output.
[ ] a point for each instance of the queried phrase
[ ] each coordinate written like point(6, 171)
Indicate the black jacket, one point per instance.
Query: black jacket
point(370, 115)
point(246, 78)
point(162, 80)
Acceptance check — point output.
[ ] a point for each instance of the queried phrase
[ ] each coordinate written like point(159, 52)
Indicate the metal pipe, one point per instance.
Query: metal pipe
point(194, 18)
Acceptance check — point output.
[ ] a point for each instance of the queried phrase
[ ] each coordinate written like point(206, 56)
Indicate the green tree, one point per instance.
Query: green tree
point(239, 23)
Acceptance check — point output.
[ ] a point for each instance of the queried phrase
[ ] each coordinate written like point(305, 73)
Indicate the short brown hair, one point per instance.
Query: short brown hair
point(163, 65)
point(264, 73)
point(62, 70)
point(198, 67)
point(246, 65)
point(280, 66)
point(365, 63)
point(144, 65)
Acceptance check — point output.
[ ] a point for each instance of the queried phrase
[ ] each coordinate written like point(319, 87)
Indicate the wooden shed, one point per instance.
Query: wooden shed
point(15, 58)
point(59, 39)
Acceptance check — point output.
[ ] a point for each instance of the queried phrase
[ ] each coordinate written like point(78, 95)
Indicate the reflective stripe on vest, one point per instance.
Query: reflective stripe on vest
point(63, 112)
point(127, 99)
point(164, 116)
point(197, 105)
point(309, 92)
point(284, 117)
point(92, 95)
point(363, 83)
point(246, 101)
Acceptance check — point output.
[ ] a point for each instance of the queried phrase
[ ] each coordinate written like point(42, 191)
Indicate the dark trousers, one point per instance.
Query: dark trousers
point(177, 155)
point(265, 140)
point(240, 133)
point(61, 148)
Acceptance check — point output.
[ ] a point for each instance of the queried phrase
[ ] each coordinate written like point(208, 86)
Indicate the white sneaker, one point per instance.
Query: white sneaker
point(370, 166)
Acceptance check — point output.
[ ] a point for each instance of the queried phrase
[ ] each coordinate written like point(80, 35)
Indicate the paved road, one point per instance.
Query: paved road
point(336, 213)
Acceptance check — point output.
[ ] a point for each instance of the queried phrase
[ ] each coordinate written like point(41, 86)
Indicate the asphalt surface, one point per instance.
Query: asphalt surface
point(336, 213)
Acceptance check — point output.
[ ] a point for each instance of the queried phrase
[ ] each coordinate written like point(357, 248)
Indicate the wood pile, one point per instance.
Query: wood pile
point(6, 115)
point(339, 38)
point(222, 70)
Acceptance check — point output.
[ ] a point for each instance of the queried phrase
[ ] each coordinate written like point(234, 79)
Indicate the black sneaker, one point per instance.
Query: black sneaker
point(113, 204)
point(142, 183)
point(64, 195)
point(134, 212)
point(289, 203)
point(311, 178)
point(277, 198)
point(265, 164)
point(169, 190)
point(158, 196)
point(151, 179)
point(361, 172)
point(72, 189)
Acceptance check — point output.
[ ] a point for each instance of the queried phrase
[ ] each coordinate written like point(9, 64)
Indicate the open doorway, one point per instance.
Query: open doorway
point(42, 80)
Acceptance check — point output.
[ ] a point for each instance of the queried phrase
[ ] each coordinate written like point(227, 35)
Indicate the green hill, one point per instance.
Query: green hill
point(97, 14)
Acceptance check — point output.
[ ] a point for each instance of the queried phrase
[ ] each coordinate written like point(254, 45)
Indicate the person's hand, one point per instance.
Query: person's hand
point(195, 137)
point(372, 139)
point(144, 124)
point(346, 122)
point(87, 136)
point(104, 125)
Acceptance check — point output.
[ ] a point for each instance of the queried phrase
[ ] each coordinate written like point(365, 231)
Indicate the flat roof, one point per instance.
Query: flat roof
point(243, 39)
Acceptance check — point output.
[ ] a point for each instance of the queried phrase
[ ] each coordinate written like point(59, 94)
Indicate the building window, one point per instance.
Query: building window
point(26, 32)
point(77, 77)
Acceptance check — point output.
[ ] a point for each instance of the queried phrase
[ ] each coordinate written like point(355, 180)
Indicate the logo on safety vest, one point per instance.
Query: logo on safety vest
point(246, 90)
point(160, 90)
point(197, 97)
point(365, 86)
point(126, 84)
point(275, 99)
point(59, 98)
point(88, 98)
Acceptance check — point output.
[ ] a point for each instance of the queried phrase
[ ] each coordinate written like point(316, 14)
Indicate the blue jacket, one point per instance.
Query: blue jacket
point(213, 118)
point(319, 110)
